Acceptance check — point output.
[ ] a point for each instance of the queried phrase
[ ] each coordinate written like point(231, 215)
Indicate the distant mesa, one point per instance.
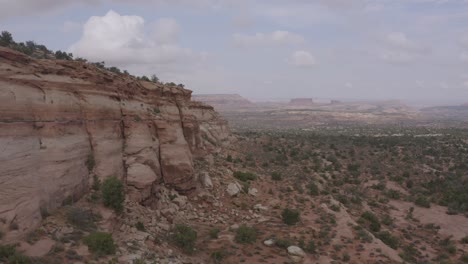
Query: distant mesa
point(224, 101)
point(301, 102)
point(334, 102)
point(465, 104)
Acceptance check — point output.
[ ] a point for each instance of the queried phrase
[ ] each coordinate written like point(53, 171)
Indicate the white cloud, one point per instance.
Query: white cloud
point(278, 37)
point(166, 31)
point(303, 59)
point(398, 48)
point(121, 40)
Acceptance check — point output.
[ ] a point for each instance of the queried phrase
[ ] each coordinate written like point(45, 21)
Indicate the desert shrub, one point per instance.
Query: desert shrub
point(6, 39)
point(214, 232)
point(335, 207)
point(140, 226)
point(82, 218)
point(1, 234)
point(388, 239)
point(113, 194)
point(276, 176)
point(393, 194)
point(6, 251)
point(245, 176)
point(464, 240)
point(96, 183)
point(290, 216)
point(8, 254)
point(90, 162)
point(387, 220)
point(218, 256)
point(346, 257)
point(313, 189)
point(246, 235)
point(311, 247)
point(185, 237)
point(229, 158)
point(371, 218)
point(100, 243)
point(283, 243)
point(422, 202)
point(464, 258)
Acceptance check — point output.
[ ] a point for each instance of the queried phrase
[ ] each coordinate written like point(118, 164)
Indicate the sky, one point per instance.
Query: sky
point(410, 50)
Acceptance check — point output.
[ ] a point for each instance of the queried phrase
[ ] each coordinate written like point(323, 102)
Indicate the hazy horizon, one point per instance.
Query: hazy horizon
point(415, 51)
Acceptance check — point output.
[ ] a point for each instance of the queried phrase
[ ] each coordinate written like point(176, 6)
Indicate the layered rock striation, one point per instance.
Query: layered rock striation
point(63, 123)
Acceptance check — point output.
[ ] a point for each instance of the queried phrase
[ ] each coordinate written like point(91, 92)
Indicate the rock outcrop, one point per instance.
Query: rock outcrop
point(62, 123)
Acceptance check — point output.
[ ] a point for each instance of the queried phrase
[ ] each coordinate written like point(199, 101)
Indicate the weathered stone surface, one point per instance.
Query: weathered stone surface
point(206, 181)
point(233, 188)
point(61, 120)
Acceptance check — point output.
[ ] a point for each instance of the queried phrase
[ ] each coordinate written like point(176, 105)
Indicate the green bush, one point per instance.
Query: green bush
point(422, 202)
point(313, 189)
point(464, 258)
point(100, 243)
point(9, 255)
point(113, 194)
point(283, 243)
point(246, 235)
point(185, 237)
point(245, 176)
point(290, 217)
point(388, 239)
point(371, 218)
point(276, 176)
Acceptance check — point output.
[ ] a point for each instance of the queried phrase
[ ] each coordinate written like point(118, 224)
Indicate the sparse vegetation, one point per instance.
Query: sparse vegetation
point(100, 243)
point(113, 194)
point(245, 176)
point(290, 216)
point(82, 218)
point(184, 237)
point(246, 235)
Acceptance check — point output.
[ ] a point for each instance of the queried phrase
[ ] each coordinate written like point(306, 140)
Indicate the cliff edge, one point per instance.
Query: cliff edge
point(63, 123)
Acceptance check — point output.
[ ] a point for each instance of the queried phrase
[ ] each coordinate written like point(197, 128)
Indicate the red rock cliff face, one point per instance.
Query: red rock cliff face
point(57, 115)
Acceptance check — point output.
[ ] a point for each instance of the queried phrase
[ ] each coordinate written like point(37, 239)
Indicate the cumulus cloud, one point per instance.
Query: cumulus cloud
point(278, 37)
point(303, 59)
point(122, 40)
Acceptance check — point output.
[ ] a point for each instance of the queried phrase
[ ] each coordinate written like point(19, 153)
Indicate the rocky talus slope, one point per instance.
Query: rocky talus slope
point(63, 123)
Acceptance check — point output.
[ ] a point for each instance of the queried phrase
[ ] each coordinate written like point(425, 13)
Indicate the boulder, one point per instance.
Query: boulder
point(296, 253)
point(253, 191)
point(234, 188)
point(205, 180)
point(269, 242)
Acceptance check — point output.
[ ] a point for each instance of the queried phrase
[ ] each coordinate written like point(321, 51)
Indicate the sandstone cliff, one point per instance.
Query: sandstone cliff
point(64, 122)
